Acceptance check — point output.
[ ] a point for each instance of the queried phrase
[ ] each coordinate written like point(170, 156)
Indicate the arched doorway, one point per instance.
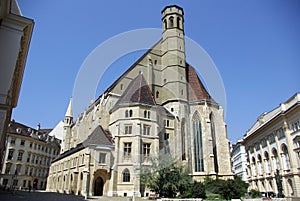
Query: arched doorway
point(98, 186)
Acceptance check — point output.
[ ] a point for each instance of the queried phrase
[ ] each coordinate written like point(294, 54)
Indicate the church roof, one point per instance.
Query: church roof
point(138, 91)
point(99, 137)
point(197, 90)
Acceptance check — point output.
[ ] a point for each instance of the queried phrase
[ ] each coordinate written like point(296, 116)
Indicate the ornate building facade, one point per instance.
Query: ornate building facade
point(273, 148)
point(157, 108)
point(28, 156)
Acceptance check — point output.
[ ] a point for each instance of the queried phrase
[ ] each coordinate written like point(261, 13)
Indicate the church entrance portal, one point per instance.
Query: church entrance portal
point(98, 186)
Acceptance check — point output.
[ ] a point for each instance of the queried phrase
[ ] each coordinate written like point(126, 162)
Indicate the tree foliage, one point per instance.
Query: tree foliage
point(165, 178)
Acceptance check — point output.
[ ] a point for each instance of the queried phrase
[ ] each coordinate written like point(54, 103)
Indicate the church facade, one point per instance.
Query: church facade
point(157, 108)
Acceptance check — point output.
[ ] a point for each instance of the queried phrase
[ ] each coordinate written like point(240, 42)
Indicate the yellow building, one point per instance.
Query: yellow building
point(157, 107)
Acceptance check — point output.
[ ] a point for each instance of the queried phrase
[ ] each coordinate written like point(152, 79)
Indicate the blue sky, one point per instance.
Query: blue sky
point(254, 44)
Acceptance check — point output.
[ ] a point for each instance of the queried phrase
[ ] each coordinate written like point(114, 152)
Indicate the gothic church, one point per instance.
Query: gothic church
point(158, 106)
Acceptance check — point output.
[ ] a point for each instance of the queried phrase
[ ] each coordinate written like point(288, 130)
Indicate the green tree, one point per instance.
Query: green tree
point(165, 178)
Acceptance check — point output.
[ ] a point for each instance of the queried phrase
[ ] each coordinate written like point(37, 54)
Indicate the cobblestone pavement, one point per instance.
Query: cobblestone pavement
point(49, 196)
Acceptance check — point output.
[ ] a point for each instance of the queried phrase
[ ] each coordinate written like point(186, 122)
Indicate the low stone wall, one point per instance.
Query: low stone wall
point(267, 199)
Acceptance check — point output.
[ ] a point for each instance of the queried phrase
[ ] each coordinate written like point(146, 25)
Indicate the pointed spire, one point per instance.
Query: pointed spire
point(69, 112)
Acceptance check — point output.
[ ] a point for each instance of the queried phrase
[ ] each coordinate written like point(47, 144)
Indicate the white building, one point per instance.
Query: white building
point(273, 143)
point(239, 160)
point(15, 35)
point(28, 156)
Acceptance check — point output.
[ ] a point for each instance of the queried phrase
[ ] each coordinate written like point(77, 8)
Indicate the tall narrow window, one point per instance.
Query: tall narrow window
point(198, 147)
point(183, 139)
point(145, 114)
point(165, 24)
point(157, 94)
point(10, 154)
point(126, 175)
point(178, 22)
point(171, 21)
point(20, 155)
point(102, 157)
point(126, 113)
point(146, 130)
point(214, 143)
point(130, 113)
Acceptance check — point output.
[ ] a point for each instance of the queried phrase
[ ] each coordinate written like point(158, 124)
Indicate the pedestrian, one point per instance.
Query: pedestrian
point(29, 188)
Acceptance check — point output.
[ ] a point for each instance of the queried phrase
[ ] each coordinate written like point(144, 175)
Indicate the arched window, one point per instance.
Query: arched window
point(130, 113)
point(198, 146)
point(126, 175)
point(171, 22)
point(145, 114)
point(275, 159)
point(148, 114)
point(157, 94)
point(267, 162)
point(81, 176)
point(155, 62)
point(259, 164)
point(178, 22)
point(214, 142)
point(165, 24)
point(285, 157)
point(183, 157)
point(126, 113)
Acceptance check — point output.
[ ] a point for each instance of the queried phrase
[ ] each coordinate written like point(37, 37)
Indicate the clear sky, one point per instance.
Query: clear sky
point(254, 44)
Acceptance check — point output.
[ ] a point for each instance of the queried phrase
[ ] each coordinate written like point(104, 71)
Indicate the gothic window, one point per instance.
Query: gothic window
point(214, 142)
point(130, 113)
point(178, 22)
point(165, 24)
point(198, 146)
point(182, 138)
point(171, 22)
point(126, 175)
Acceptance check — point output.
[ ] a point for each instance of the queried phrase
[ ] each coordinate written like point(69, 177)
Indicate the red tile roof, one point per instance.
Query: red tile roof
point(197, 90)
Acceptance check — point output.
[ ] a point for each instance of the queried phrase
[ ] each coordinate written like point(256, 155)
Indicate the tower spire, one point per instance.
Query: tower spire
point(69, 112)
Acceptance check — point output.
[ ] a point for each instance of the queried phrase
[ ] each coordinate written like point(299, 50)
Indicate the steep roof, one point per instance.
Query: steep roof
point(138, 91)
point(99, 137)
point(197, 90)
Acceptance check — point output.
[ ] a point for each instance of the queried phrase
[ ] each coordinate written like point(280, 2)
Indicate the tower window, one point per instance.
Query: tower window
point(126, 113)
point(146, 149)
point(128, 129)
point(171, 21)
point(157, 94)
point(178, 22)
point(166, 136)
point(130, 113)
point(165, 24)
point(155, 62)
point(127, 149)
point(146, 130)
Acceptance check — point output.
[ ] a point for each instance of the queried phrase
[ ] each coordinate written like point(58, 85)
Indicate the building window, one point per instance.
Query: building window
point(166, 136)
point(28, 157)
point(178, 22)
point(34, 146)
point(22, 142)
point(5, 182)
point(146, 149)
point(30, 145)
point(18, 170)
point(128, 129)
point(198, 147)
point(10, 154)
point(7, 168)
point(126, 175)
point(130, 113)
point(20, 155)
point(171, 22)
point(167, 123)
point(126, 113)
point(12, 141)
point(127, 149)
point(102, 157)
point(15, 182)
point(121, 86)
point(145, 114)
point(39, 147)
point(157, 94)
point(146, 130)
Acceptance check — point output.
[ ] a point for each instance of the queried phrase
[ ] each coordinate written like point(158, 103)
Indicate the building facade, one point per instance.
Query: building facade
point(239, 160)
point(28, 156)
point(273, 148)
point(15, 36)
point(157, 108)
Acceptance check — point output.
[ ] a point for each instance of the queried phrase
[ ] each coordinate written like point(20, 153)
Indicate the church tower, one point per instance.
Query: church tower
point(68, 120)
point(173, 54)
